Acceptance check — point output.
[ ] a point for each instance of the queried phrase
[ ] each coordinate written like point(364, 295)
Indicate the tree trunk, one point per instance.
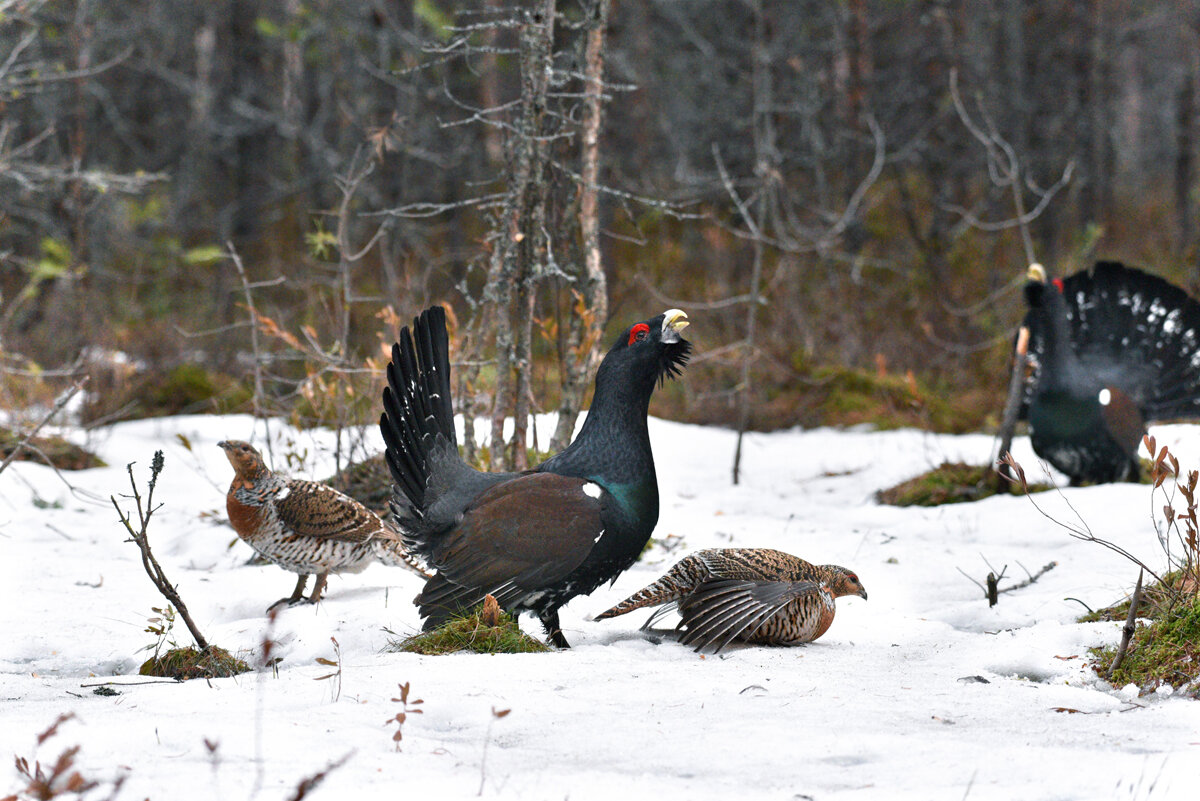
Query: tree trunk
point(520, 246)
point(1185, 114)
point(766, 169)
point(580, 352)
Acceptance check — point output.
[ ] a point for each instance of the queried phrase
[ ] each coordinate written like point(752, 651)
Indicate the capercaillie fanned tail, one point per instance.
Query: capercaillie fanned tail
point(1134, 330)
point(1113, 349)
point(756, 595)
point(533, 540)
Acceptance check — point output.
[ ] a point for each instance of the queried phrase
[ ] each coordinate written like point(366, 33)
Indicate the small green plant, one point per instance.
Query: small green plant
point(473, 632)
point(406, 709)
point(162, 626)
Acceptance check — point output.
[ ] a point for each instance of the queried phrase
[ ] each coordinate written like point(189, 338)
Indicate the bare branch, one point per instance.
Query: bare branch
point(58, 406)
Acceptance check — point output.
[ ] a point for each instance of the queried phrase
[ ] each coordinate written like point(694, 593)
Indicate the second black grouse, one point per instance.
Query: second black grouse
point(534, 540)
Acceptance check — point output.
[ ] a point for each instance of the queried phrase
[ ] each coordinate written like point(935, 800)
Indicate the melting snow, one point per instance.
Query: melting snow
point(922, 692)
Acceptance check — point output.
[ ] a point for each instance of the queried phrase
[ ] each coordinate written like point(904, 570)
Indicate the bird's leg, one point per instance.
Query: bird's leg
point(319, 588)
point(297, 594)
point(553, 630)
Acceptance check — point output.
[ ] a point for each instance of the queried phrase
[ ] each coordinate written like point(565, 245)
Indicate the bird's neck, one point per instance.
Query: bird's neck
point(250, 474)
point(1061, 366)
point(613, 446)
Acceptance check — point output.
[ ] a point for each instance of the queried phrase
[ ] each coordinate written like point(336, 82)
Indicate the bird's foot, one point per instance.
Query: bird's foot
point(553, 629)
point(289, 602)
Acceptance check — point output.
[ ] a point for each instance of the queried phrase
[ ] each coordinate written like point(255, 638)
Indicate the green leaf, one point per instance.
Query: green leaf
point(437, 20)
point(266, 27)
point(204, 255)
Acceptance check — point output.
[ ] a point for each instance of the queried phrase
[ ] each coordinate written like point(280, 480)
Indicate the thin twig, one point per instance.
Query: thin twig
point(1084, 533)
point(63, 401)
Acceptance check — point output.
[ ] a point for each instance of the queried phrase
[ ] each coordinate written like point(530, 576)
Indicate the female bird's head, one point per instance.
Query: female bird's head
point(844, 582)
point(246, 461)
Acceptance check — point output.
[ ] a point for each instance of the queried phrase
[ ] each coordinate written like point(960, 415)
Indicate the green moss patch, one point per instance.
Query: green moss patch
point(62, 454)
point(186, 389)
point(1156, 601)
point(1165, 651)
point(951, 483)
point(469, 633)
point(193, 663)
point(885, 400)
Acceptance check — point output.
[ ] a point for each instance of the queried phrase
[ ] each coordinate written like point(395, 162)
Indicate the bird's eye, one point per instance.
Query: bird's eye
point(638, 333)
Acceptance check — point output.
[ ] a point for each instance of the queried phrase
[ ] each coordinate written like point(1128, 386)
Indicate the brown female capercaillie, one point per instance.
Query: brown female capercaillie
point(756, 595)
point(305, 527)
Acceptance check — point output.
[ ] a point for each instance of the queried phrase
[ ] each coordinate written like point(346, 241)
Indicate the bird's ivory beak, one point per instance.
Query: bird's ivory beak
point(674, 321)
point(1036, 272)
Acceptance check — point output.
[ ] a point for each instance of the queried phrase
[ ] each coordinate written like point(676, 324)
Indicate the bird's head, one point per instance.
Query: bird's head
point(653, 349)
point(1036, 286)
point(844, 582)
point(246, 461)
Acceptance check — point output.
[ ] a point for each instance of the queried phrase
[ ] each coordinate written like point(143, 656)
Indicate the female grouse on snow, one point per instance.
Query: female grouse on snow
point(534, 540)
point(305, 527)
point(756, 595)
point(1113, 348)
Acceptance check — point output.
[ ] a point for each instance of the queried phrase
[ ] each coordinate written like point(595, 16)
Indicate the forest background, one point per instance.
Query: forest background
point(234, 205)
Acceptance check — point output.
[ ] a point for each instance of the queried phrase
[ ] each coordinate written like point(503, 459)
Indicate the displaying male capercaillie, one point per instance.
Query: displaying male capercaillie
point(537, 539)
point(1113, 348)
point(756, 595)
point(305, 527)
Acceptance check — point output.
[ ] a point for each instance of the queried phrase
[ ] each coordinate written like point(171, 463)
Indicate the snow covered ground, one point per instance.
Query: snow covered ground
point(922, 692)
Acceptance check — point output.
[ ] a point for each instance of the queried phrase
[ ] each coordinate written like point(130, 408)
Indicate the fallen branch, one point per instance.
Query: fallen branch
point(1032, 577)
point(153, 569)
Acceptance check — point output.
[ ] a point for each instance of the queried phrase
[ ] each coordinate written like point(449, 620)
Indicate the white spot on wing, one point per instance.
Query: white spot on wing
point(1105, 397)
point(283, 493)
point(592, 490)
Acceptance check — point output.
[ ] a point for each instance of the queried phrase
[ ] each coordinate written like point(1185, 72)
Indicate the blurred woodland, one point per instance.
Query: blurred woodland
point(235, 204)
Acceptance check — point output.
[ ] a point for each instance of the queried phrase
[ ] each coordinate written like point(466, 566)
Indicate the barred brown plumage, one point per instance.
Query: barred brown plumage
point(756, 595)
point(306, 527)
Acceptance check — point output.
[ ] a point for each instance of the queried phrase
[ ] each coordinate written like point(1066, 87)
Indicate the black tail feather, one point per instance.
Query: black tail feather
point(417, 412)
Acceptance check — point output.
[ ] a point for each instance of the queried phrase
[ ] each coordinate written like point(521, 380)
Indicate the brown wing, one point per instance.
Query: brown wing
point(1123, 419)
point(315, 510)
point(515, 538)
point(755, 564)
point(720, 611)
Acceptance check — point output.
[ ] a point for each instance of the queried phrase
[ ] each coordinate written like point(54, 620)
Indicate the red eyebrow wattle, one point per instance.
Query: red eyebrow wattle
point(640, 328)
